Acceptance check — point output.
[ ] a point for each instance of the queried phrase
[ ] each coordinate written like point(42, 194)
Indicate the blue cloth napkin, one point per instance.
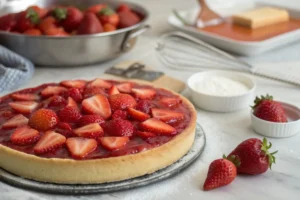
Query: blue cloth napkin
point(14, 70)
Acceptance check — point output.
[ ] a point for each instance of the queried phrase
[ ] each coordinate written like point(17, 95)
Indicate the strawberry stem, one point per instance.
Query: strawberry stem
point(258, 100)
point(106, 11)
point(265, 148)
point(60, 13)
point(33, 16)
point(235, 160)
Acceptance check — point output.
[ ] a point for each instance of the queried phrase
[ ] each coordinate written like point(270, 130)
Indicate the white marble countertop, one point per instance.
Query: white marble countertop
point(223, 131)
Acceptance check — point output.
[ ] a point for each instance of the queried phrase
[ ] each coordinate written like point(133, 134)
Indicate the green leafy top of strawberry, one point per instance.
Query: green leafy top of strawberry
point(33, 16)
point(258, 100)
point(236, 161)
point(106, 11)
point(60, 13)
point(265, 147)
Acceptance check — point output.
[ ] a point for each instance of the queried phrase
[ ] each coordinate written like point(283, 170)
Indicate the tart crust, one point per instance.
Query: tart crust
point(69, 171)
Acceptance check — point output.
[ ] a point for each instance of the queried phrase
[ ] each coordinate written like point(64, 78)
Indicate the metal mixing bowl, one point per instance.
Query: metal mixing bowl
point(73, 50)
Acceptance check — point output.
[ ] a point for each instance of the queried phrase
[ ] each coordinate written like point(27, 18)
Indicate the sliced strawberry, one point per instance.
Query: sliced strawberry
point(144, 106)
point(50, 141)
point(89, 119)
point(143, 134)
point(144, 93)
point(120, 114)
point(100, 83)
point(93, 130)
point(167, 116)
point(73, 83)
point(121, 101)
point(80, 147)
point(97, 104)
point(25, 107)
point(170, 101)
point(57, 101)
point(113, 90)
point(75, 94)
point(113, 143)
point(119, 127)
point(24, 136)
point(72, 103)
point(69, 114)
point(43, 119)
point(157, 126)
point(53, 90)
point(124, 87)
point(25, 97)
point(64, 129)
point(137, 115)
point(16, 121)
point(91, 91)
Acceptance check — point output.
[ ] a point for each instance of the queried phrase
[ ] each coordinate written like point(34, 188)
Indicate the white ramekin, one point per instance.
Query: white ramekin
point(222, 103)
point(279, 130)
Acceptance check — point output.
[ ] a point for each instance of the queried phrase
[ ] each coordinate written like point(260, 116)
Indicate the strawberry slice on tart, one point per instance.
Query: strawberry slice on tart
point(50, 141)
point(80, 147)
point(114, 143)
point(24, 107)
point(93, 130)
point(24, 135)
point(97, 104)
point(167, 116)
point(16, 121)
point(157, 126)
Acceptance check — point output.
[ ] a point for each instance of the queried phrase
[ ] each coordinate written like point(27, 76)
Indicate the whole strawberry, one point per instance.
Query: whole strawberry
point(70, 18)
point(252, 156)
point(89, 25)
point(267, 109)
point(221, 172)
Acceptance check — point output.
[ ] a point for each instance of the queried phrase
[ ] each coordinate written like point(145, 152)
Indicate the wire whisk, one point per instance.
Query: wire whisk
point(180, 51)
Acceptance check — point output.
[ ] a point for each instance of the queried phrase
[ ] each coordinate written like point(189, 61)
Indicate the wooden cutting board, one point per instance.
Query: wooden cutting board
point(163, 81)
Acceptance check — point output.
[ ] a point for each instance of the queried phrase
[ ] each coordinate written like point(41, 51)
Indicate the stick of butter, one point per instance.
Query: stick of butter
point(261, 17)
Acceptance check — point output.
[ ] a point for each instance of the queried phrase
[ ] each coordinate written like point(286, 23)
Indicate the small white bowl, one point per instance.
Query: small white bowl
point(279, 130)
point(222, 103)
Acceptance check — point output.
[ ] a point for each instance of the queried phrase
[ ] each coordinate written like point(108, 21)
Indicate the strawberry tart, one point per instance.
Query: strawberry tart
point(83, 132)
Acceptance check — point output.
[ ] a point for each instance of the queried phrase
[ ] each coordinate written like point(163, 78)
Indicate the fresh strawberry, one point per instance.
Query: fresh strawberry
point(25, 97)
point(81, 147)
point(73, 83)
point(57, 101)
point(53, 90)
point(100, 83)
point(93, 130)
point(123, 7)
point(69, 114)
point(6, 113)
point(124, 87)
point(27, 20)
point(121, 101)
point(113, 143)
point(108, 16)
point(128, 18)
point(47, 24)
point(33, 32)
point(97, 104)
point(24, 136)
point(16, 121)
point(137, 115)
point(69, 18)
point(120, 114)
point(72, 103)
point(75, 94)
point(167, 116)
point(96, 8)
point(49, 142)
point(144, 93)
point(8, 22)
point(170, 101)
point(89, 25)
point(109, 27)
point(144, 106)
point(64, 129)
point(252, 156)
point(221, 172)
point(146, 135)
point(90, 119)
point(42, 12)
point(113, 90)
point(24, 107)
point(119, 127)
point(267, 109)
point(43, 119)
point(56, 32)
point(157, 126)
point(91, 91)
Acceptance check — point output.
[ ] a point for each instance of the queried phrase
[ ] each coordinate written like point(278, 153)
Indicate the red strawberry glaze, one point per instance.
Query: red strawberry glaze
point(135, 145)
